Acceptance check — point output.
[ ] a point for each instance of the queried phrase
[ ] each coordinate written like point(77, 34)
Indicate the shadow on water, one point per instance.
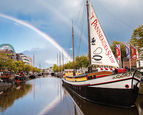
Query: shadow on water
point(89, 108)
point(139, 104)
point(8, 96)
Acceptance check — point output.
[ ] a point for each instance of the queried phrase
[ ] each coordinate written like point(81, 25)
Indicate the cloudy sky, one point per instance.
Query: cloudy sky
point(45, 26)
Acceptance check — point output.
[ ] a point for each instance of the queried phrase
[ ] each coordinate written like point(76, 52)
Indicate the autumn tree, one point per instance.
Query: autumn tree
point(27, 68)
point(20, 65)
point(3, 60)
point(137, 39)
point(12, 67)
point(81, 61)
point(55, 68)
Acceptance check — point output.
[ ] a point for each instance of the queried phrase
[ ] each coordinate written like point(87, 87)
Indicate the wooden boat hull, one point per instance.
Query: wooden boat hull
point(106, 96)
point(114, 90)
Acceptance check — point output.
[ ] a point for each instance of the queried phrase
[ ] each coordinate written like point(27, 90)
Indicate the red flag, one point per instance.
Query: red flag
point(118, 51)
point(134, 54)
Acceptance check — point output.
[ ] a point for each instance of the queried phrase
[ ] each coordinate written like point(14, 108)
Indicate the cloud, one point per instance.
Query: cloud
point(70, 49)
point(44, 14)
point(43, 57)
point(39, 7)
point(118, 18)
point(51, 62)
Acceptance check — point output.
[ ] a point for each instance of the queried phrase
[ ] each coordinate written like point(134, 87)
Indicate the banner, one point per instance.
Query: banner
point(118, 51)
point(134, 54)
point(127, 50)
point(101, 53)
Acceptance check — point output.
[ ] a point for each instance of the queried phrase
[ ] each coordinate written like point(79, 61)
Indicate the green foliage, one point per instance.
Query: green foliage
point(137, 37)
point(27, 68)
point(15, 66)
point(43, 70)
point(20, 66)
point(12, 66)
point(69, 65)
point(34, 69)
point(55, 68)
point(3, 60)
point(80, 62)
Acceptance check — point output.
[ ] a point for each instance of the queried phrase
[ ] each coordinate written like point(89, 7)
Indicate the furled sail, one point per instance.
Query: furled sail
point(101, 53)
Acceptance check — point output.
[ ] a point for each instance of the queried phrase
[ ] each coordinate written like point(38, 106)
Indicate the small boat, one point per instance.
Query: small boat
point(52, 74)
point(32, 76)
point(20, 79)
point(106, 87)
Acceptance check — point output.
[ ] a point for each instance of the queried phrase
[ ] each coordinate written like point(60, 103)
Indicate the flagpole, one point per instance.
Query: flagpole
point(130, 63)
point(120, 59)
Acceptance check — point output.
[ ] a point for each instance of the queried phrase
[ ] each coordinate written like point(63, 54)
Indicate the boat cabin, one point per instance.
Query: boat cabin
point(100, 72)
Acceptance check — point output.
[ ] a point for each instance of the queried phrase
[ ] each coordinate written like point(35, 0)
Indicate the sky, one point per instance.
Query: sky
point(46, 25)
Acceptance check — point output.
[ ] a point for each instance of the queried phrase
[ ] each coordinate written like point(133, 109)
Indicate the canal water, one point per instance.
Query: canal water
point(46, 96)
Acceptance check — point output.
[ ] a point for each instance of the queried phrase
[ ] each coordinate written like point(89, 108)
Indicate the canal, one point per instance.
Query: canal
point(46, 96)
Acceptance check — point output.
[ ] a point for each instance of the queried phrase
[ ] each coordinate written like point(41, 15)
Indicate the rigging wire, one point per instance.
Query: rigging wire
point(80, 13)
point(69, 44)
point(82, 27)
point(70, 40)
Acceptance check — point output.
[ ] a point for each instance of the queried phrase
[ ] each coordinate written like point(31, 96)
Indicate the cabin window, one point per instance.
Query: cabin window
point(127, 86)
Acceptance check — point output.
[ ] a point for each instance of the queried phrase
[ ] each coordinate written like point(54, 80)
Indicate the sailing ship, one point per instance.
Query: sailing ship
point(103, 87)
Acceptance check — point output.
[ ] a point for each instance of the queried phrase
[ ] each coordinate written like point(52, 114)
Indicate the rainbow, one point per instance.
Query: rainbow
point(51, 105)
point(44, 35)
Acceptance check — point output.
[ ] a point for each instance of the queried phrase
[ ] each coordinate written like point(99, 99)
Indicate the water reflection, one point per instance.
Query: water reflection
point(139, 104)
point(8, 96)
point(63, 105)
point(46, 96)
point(91, 108)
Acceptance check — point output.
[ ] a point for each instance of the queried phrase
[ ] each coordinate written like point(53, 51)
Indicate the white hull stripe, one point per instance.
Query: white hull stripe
point(105, 82)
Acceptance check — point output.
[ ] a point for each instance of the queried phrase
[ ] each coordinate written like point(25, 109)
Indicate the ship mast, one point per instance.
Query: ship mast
point(73, 49)
point(89, 48)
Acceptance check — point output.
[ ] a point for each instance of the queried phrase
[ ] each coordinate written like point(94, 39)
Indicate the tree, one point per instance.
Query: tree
point(69, 65)
point(27, 68)
point(20, 65)
point(34, 69)
point(55, 68)
point(137, 40)
point(3, 60)
point(15, 66)
point(81, 61)
point(137, 37)
point(43, 70)
point(12, 67)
